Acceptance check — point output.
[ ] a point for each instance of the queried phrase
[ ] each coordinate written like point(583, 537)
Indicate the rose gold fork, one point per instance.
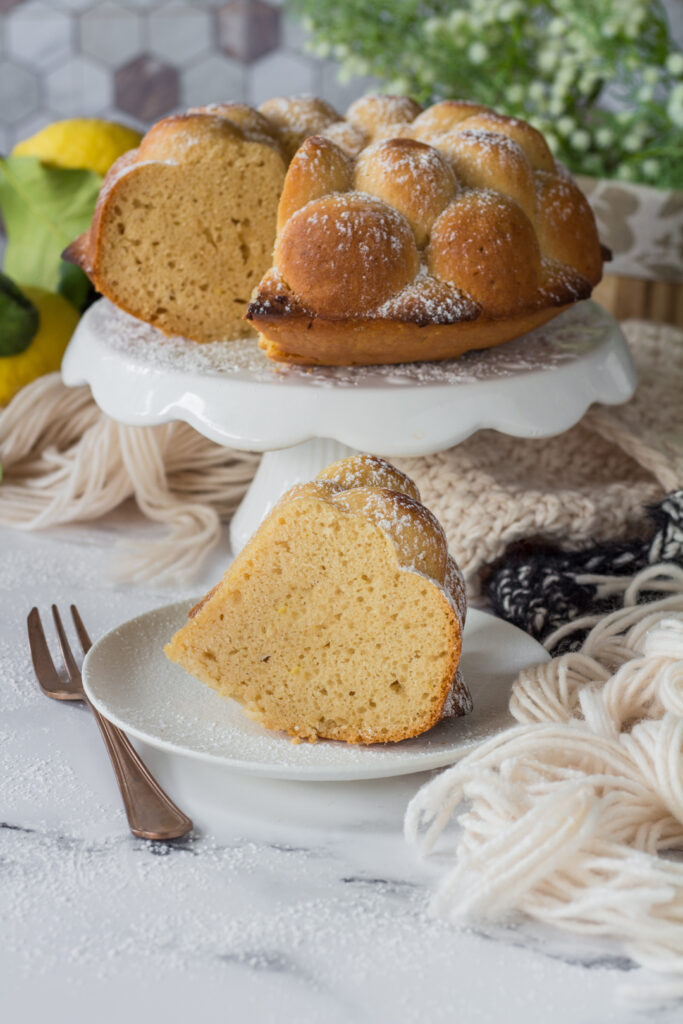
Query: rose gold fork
point(151, 813)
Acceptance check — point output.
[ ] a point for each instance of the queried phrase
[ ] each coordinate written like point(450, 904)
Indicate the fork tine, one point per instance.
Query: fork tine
point(72, 668)
point(43, 665)
point(86, 642)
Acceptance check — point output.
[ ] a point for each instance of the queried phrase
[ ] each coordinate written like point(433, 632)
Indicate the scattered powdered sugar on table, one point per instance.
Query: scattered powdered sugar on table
point(561, 341)
point(169, 907)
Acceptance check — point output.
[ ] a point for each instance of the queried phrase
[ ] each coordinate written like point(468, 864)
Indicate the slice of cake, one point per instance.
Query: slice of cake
point(342, 617)
point(184, 225)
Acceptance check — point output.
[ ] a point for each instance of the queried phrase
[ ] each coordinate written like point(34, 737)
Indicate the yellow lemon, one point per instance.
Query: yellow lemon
point(58, 320)
point(87, 143)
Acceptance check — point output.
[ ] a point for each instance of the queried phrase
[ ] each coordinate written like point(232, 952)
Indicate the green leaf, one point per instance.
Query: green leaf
point(19, 319)
point(75, 286)
point(44, 209)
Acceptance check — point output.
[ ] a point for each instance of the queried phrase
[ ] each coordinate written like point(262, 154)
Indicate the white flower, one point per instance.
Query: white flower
point(399, 86)
point(632, 142)
point(547, 59)
point(581, 140)
point(516, 93)
point(509, 10)
point(552, 141)
point(625, 172)
point(432, 27)
point(565, 77)
point(537, 92)
point(675, 105)
point(651, 75)
point(319, 49)
point(456, 19)
point(645, 93)
point(604, 137)
point(557, 27)
point(566, 125)
point(477, 53)
point(651, 168)
point(674, 64)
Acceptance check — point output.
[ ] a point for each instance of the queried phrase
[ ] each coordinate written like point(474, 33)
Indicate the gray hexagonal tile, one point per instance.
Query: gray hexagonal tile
point(248, 29)
point(28, 126)
point(146, 88)
point(82, 5)
point(293, 35)
point(179, 33)
point(111, 34)
point(277, 75)
point(212, 80)
point(20, 91)
point(79, 88)
point(38, 34)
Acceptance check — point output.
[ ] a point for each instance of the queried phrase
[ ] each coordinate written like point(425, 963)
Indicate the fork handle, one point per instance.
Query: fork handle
point(151, 813)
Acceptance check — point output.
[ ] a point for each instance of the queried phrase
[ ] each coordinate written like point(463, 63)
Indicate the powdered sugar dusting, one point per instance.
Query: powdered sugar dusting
point(428, 300)
point(407, 161)
point(359, 222)
point(345, 135)
point(144, 348)
point(302, 113)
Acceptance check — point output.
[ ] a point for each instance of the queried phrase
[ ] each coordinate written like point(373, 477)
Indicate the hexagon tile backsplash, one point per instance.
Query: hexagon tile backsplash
point(137, 60)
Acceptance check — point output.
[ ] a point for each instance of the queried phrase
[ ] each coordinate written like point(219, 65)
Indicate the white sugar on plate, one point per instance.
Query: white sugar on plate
point(556, 343)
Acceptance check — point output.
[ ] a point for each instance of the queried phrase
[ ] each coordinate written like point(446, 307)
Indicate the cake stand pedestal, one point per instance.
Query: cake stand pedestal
point(303, 418)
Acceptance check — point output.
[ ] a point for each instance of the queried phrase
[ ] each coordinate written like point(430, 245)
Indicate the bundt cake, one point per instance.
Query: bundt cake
point(389, 235)
point(341, 618)
point(450, 229)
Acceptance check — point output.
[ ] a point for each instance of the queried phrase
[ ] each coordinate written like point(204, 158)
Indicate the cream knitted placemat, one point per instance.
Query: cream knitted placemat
point(590, 483)
point(63, 461)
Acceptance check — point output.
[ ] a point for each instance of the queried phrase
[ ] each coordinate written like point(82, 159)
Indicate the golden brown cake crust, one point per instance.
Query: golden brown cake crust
point(298, 335)
point(435, 231)
point(342, 618)
point(504, 240)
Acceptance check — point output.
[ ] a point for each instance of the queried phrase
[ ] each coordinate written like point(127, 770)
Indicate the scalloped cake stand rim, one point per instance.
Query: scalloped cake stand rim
point(275, 407)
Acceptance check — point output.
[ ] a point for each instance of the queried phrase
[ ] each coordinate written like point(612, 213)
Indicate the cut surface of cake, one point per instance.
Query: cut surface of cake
point(185, 224)
point(341, 618)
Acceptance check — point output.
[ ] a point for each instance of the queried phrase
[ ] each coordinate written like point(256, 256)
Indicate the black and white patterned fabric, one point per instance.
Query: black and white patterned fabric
point(539, 587)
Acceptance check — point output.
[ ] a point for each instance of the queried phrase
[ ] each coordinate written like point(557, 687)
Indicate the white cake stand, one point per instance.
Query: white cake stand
point(304, 418)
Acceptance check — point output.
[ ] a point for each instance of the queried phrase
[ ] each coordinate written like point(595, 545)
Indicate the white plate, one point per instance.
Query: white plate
point(129, 679)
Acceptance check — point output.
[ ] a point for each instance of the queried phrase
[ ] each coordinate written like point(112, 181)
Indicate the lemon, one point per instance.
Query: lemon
point(85, 143)
point(57, 322)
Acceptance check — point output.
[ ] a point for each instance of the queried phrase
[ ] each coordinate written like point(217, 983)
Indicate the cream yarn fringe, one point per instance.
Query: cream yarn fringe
point(568, 811)
point(64, 461)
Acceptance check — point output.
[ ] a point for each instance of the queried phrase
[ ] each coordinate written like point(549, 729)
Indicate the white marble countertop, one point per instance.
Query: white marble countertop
point(290, 901)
